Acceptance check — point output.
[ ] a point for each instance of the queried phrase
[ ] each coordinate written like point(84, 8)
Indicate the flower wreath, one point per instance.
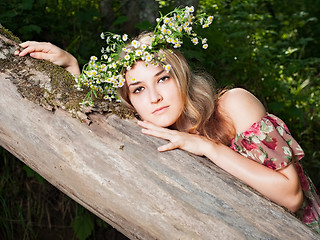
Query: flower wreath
point(106, 75)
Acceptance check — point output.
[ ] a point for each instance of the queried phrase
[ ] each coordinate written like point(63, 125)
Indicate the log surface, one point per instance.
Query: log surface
point(115, 171)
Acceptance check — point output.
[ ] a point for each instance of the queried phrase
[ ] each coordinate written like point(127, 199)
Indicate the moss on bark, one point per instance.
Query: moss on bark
point(47, 84)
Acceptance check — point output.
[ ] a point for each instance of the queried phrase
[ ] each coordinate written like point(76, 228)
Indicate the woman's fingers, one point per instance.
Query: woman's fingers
point(169, 146)
point(41, 50)
point(149, 125)
point(157, 133)
point(31, 46)
point(50, 52)
point(171, 135)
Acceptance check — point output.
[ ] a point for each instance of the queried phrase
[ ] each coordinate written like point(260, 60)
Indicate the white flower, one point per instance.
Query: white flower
point(94, 73)
point(143, 46)
point(105, 56)
point(135, 43)
point(127, 57)
point(148, 58)
point(89, 74)
point(204, 41)
point(188, 29)
point(205, 46)
point(103, 67)
point(93, 58)
point(138, 52)
point(190, 9)
point(102, 35)
point(167, 67)
point(124, 37)
point(195, 41)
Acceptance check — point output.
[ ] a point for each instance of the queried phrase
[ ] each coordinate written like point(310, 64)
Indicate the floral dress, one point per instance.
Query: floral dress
point(270, 143)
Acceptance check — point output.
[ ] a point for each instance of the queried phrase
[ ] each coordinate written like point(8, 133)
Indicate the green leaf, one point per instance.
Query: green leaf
point(82, 226)
point(120, 20)
point(30, 28)
point(33, 174)
point(27, 4)
point(144, 25)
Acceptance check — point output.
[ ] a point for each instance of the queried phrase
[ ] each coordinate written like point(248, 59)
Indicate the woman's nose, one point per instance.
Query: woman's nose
point(155, 96)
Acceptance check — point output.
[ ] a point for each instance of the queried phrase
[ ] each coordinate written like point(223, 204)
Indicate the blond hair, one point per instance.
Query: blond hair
point(201, 105)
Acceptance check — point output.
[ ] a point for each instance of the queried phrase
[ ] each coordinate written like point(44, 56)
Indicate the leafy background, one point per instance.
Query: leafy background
point(268, 47)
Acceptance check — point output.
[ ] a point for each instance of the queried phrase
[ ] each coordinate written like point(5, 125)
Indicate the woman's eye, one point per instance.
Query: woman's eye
point(138, 89)
point(164, 78)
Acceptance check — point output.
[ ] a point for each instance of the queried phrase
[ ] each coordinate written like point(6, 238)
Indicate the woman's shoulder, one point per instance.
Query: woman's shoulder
point(242, 107)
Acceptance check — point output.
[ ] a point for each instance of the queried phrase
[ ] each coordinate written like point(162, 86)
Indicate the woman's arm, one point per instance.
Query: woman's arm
point(52, 53)
point(281, 186)
point(244, 109)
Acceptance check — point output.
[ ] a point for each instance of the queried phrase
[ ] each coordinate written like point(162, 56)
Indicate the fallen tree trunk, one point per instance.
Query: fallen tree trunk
point(116, 172)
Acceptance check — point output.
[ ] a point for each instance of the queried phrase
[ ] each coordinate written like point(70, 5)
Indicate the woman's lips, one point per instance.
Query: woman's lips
point(160, 110)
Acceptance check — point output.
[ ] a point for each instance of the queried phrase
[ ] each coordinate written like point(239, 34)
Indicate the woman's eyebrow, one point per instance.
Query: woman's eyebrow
point(158, 73)
point(134, 83)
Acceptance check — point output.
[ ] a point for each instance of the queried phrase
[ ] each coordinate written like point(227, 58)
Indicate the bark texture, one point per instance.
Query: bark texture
point(114, 170)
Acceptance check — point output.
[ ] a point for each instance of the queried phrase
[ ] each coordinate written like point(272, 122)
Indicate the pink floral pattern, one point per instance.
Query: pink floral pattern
point(270, 143)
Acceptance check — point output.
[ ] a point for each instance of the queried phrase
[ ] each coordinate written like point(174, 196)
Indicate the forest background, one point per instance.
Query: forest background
point(268, 47)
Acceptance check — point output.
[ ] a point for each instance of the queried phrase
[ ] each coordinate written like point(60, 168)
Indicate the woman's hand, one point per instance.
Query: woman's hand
point(193, 143)
point(52, 53)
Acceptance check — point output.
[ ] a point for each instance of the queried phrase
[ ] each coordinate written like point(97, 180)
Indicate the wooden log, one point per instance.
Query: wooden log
point(115, 171)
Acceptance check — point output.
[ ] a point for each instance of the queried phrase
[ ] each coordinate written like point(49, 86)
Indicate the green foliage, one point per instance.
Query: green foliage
point(71, 24)
point(82, 224)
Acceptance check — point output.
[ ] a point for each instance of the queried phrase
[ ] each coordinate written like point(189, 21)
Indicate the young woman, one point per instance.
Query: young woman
point(231, 127)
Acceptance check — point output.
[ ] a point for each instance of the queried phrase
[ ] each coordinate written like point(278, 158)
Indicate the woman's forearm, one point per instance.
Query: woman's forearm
point(281, 186)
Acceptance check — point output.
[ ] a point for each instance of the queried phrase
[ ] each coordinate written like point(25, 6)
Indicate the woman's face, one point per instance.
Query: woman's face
point(154, 94)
